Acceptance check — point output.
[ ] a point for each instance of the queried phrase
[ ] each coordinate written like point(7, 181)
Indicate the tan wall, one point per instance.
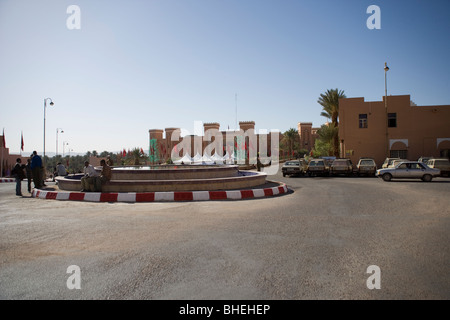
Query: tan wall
point(418, 128)
point(9, 160)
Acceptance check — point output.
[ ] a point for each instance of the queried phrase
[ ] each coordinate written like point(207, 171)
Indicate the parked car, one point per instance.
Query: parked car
point(409, 170)
point(366, 166)
point(317, 167)
point(294, 167)
point(395, 162)
point(388, 162)
point(341, 166)
point(441, 164)
point(424, 159)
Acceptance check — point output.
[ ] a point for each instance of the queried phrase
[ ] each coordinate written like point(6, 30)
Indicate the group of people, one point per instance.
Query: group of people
point(93, 180)
point(34, 171)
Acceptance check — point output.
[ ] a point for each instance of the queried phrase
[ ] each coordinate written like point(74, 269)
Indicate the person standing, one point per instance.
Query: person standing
point(29, 174)
point(89, 177)
point(19, 175)
point(36, 169)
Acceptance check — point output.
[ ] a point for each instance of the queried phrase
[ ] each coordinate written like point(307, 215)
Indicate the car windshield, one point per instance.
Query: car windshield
point(366, 163)
point(340, 162)
point(292, 163)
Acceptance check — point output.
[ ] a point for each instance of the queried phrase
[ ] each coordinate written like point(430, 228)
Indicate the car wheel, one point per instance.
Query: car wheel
point(427, 178)
point(387, 177)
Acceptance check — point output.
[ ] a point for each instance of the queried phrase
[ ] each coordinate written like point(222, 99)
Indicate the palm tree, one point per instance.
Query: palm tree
point(291, 136)
point(324, 142)
point(330, 104)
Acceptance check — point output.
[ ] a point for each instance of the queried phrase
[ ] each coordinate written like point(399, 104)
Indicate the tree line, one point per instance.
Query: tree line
point(75, 164)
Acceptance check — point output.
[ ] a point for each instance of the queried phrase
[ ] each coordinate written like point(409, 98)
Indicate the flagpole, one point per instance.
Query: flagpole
point(1, 169)
point(3, 147)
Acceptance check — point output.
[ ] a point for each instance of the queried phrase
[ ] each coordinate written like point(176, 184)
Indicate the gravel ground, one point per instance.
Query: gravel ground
point(314, 243)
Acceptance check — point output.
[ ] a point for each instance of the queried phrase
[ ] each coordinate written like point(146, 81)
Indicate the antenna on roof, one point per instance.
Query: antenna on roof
point(235, 101)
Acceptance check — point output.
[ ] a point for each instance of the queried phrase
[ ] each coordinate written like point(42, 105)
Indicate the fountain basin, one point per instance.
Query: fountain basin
point(173, 172)
point(172, 178)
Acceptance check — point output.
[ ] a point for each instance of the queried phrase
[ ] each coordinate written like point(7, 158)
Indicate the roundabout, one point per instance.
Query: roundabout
point(168, 183)
point(271, 189)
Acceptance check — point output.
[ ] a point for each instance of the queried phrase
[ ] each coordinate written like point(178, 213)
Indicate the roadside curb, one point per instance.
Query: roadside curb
point(172, 196)
point(7, 180)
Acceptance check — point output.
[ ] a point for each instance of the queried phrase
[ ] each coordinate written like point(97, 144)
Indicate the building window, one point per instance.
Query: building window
point(402, 154)
point(392, 120)
point(363, 121)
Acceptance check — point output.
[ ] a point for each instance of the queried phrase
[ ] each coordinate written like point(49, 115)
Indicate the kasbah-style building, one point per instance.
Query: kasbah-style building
point(161, 145)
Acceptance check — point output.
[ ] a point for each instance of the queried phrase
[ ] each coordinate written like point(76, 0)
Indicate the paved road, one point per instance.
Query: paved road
point(314, 243)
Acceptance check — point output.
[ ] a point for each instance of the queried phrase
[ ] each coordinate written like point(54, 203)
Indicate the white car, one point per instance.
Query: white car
point(408, 170)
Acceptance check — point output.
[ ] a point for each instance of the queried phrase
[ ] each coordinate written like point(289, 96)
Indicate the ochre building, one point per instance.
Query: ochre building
point(395, 127)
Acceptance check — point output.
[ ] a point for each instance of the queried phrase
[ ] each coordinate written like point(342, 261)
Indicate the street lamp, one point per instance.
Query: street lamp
point(386, 69)
point(68, 160)
point(45, 107)
point(58, 130)
point(64, 144)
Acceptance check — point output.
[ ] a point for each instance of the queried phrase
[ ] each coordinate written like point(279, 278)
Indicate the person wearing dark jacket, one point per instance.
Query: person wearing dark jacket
point(36, 169)
point(19, 175)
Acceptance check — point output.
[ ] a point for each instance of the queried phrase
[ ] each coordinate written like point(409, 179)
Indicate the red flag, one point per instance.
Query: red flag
point(142, 151)
point(124, 153)
point(21, 141)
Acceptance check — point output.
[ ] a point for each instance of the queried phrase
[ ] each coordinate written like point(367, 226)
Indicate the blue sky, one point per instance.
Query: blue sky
point(138, 65)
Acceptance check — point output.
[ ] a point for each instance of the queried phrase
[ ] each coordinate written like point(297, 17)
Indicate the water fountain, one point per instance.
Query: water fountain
point(162, 178)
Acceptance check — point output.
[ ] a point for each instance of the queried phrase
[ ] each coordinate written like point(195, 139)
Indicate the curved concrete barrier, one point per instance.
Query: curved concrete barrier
point(161, 196)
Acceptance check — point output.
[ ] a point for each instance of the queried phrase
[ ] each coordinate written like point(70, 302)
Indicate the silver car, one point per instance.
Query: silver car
point(408, 170)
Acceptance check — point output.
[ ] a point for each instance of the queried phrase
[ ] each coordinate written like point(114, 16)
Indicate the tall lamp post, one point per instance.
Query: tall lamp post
point(68, 161)
point(64, 144)
point(386, 69)
point(58, 130)
point(45, 107)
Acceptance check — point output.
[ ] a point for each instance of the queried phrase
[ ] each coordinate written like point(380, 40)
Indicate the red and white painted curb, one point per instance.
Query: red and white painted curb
point(161, 196)
point(7, 180)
